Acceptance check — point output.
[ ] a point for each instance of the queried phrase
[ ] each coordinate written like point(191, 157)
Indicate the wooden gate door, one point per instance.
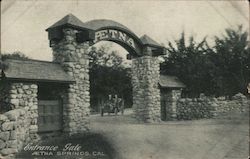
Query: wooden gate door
point(163, 110)
point(49, 115)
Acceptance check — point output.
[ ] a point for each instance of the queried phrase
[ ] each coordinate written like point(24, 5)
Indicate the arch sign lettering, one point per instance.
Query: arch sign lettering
point(104, 30)
point(120, 37)
point(110, 34)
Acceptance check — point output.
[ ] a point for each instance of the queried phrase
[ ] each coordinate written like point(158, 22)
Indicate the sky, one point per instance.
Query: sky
point(23, 22)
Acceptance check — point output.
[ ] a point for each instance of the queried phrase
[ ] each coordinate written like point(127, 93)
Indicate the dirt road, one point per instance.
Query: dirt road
point(200, 139)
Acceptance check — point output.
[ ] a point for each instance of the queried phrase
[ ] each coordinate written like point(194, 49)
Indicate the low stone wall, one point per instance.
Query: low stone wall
point(194, 108)
point(19, 126)
point(15, 131)
point(238, 104)
point(207, 107)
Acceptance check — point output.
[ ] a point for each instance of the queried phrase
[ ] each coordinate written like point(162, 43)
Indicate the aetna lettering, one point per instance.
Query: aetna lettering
point(114, 35)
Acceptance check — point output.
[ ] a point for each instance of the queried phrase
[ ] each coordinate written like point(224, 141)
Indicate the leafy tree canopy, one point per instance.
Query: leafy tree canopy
point(108, 76)
point(15, 55)
point(223, 69)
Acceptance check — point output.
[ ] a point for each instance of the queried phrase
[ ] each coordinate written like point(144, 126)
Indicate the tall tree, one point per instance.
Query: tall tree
point(223, 69)
point(231, 56)
point(188, 60)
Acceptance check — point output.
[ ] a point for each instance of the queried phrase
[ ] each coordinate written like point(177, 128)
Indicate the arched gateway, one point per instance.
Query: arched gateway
point(70, 39)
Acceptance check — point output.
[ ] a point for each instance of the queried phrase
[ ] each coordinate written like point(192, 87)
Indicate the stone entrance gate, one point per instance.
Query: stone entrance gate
point(53, 97)
point(70, 39)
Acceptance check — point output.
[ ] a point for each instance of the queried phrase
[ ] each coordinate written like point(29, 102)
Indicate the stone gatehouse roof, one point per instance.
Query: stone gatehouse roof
point(69, 20)
point(167, 81)
point(146, 40)
point(34, 70)
point(72, 21)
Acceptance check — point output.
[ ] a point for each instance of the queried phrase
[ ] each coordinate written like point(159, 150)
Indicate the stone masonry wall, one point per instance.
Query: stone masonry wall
point(19, 126)
point(195, 108)
point(238, 103)
point(74, 59)
point(207, 107)
point(146, 92)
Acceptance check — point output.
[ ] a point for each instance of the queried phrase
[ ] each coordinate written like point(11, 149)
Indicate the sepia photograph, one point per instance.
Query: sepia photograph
point(124, 79)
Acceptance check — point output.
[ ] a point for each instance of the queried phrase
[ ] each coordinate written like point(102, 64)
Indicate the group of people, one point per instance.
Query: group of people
point(113, 105)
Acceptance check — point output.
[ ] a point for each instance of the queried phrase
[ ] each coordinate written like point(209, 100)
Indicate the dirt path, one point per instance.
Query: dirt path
point(201, 139)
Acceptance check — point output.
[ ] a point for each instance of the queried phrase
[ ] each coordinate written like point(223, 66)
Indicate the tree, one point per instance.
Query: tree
point(190, 63)
point(103, 57)
point(108, 76)
point(15, 55)
point(231, 56)
point(223, 69)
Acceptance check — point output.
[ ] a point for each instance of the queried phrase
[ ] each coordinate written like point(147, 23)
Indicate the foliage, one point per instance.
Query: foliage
point(103, 57)
point(223, 69)
point(108, 76)
point(231, 57)
point(15, 55)
point(189, 62)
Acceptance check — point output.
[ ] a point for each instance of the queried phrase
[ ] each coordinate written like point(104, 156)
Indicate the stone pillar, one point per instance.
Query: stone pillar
point(74, 59)
point(146, 92)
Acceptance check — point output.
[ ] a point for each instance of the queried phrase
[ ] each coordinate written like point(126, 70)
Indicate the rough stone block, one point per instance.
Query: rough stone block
point(13, 91)
point(21, 111)
point(33, 107)
point(28, 92)
point(2, 144)
point(8, 151)
point(34, 86)
point(3, 117)
point(25, 87)
point(33, 128)
point(69, 38)
point(20, 91)
point(13, 96)
point(4, 135)
point(20, 96)
point(13, 115)
point(14, 101)
point(11, 144)
point(8, 126)
point(13, 135)
point(78, 66)
point(72, 124)
point(70, 47)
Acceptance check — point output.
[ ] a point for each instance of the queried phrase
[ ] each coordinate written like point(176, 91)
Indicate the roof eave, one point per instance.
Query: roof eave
point(171, 87)
point(69, 25)
point(155, 46)
point(39, 80)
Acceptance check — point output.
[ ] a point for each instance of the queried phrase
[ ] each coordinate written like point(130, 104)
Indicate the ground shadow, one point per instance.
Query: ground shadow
point(92, 146)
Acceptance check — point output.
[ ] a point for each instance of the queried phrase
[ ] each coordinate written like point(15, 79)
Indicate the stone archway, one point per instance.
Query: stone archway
point(70, 39)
